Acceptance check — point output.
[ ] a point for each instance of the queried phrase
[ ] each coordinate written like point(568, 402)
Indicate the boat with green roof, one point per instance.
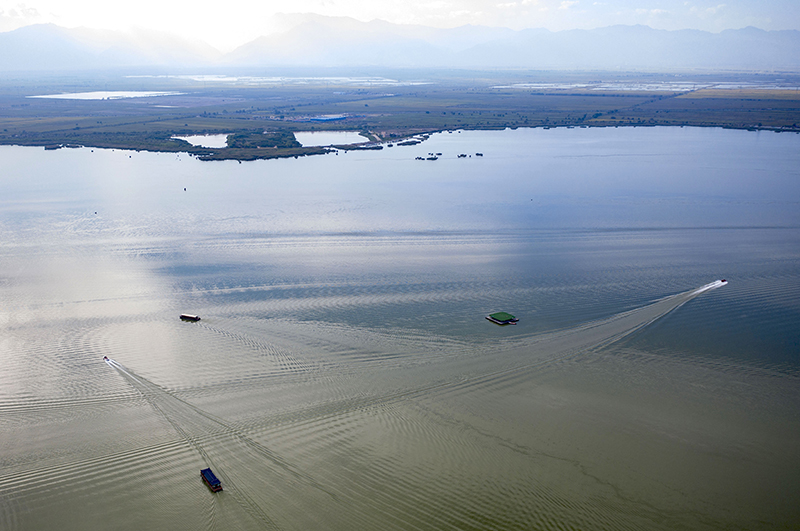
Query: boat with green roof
point(502, 318)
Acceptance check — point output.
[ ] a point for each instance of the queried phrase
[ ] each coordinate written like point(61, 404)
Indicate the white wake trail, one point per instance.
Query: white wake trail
point(714, 285)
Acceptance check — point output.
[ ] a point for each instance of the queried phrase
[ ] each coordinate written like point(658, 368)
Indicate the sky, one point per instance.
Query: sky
point(230, 23)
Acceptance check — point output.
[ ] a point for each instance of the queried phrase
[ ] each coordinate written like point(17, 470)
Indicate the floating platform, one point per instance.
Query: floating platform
point(211, 480)
point(189, 317)
point(502, 318)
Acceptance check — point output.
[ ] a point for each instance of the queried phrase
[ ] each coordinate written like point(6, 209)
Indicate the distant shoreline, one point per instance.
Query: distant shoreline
point(398, 116)
point(243, 155)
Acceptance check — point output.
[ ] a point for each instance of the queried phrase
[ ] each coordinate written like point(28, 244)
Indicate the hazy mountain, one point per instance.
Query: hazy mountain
point(43, 47)
point(156, 48)
point(643, 48)
point(50, 47)
point(314, 40)
point(342, 41)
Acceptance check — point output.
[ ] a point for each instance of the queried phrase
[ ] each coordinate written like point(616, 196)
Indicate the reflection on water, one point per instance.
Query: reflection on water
point(343, 376)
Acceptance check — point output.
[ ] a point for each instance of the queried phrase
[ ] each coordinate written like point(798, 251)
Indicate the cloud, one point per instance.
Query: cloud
point(20, 11)
point(13, 17)
point(566, 4)
point(509, 5)
point(709, 11)
point(651, 11)
point(464, 13)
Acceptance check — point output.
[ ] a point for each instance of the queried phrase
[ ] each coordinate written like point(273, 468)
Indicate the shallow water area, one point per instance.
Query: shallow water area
point(329, 81)
point(106, 95)
point(343, 374)
point(207, 141)
point(329, 138)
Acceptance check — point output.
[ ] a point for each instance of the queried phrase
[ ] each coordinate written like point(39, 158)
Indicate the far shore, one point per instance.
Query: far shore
point(227, 153)
point(401, 118)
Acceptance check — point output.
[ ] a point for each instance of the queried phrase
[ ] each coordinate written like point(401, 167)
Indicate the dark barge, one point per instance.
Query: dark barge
point(189, 317)
point(211, 480)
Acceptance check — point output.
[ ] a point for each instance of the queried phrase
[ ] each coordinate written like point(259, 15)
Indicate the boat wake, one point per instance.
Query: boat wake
point(600, 333)
point(246, 467)
point(714, 285)
point(359, 432)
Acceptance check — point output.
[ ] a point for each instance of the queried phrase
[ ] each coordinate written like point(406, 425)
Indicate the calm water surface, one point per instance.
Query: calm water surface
point(327, 138)
point(209, 141)
point(342, 375)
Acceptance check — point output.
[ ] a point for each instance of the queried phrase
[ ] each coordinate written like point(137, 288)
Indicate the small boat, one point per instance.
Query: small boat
point(502, 318)
point(189, 317)
point(105, 358)
point(211, 480)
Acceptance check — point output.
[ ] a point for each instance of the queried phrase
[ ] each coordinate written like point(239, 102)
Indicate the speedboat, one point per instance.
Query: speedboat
point(105, 358)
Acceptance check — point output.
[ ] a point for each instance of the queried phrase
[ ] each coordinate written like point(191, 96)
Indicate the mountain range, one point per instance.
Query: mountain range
point(319, 41)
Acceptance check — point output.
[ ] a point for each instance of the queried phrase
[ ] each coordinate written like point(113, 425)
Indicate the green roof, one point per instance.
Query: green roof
point(502, 316)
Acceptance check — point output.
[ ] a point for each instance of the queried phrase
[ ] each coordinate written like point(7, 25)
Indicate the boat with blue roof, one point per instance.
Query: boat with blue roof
point(211, 480)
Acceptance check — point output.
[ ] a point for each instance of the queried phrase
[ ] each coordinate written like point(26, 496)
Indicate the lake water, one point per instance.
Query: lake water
point(107, 95)
point(328, 138)
point(343, 375)
point(208, 141)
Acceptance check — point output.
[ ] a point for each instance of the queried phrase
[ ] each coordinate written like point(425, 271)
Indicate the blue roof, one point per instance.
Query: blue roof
point(209, 475)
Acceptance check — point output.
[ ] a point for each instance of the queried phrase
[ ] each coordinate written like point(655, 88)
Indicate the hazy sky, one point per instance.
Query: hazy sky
point(228, 23)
